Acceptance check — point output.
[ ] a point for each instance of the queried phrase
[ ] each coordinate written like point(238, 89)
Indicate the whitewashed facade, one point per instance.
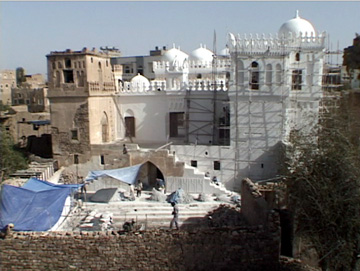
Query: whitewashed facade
point(227, 115)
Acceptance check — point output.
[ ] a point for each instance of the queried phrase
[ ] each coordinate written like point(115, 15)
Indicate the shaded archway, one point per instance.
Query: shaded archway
point(148, 174)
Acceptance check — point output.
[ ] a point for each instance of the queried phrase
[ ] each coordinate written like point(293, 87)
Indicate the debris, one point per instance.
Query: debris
point(157, 196)
point(180, 196)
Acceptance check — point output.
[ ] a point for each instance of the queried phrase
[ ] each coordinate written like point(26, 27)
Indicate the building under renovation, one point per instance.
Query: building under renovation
point(188, 116)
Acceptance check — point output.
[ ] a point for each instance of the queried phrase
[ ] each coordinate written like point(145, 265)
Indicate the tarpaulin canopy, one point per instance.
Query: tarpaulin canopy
point(37, 185)
point(127, 174)
point(31, 210)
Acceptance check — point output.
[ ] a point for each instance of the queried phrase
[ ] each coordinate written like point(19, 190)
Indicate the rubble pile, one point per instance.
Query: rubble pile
point(180, 196)
point(95, 221)
point(157, 196)
point(204, 197)
point(225, 216)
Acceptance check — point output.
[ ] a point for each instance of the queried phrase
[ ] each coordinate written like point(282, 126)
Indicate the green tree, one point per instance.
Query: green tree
point(323, 186)
point(11, 159)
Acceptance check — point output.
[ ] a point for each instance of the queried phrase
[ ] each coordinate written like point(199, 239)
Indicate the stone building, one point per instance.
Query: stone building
point(81, 85)
point(225, 114)
point(351, 64)
point(7, 81)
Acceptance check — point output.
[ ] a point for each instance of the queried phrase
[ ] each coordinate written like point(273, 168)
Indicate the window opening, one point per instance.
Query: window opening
point(193, 163)
point(68, 76)
point(130, 126)
point(254, 76)
point(74, 134)
point(177, 122)
point(268, 76)
point(216, 165)
point(296, 80)
point(278, 73)
point(67, 63)
point(76, 159)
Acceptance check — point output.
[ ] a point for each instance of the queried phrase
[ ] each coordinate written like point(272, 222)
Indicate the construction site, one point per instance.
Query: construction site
point(203, 132)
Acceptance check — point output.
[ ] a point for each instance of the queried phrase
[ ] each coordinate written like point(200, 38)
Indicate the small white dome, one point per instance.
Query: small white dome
point(296, 26)
point(174, 54)
point(202, 54)
point(225, 52)
point(140, 83)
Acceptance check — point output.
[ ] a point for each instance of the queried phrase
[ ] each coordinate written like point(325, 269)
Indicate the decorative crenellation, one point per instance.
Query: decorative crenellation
point(105, 86)
point(277, 43)
point(162, 66)
point(161, 85)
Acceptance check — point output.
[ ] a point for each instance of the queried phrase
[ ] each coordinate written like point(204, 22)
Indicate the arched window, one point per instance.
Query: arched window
point(297, 57)
point(254, 75)
point(57, 79)
point(240, 73)
point(120, 84)
point(129, 123)
point(105, 128)
point(268, 75)
point(278, 74)
point(80, 78)
point(99, 65)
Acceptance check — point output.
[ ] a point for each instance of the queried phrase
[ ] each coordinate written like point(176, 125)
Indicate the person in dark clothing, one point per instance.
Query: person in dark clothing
point(138, 188)
point(175, 214)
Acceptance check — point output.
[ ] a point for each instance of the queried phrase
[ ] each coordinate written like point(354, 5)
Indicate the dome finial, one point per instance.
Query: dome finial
point(297, 14)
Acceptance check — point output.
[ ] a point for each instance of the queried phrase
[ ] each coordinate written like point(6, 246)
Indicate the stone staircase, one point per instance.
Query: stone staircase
point(149, 214)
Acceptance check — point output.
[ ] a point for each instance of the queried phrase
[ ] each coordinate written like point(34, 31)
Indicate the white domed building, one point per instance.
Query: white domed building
point(277, 88)
point(297, 27)
point(227, 114)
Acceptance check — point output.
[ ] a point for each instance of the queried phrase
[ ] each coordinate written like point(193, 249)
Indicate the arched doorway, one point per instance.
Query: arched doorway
point(148, 175)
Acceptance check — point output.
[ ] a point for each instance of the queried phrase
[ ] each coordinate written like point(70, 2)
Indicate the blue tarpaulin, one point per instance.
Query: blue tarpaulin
point(36, 206)
point(37, 185)
point(127, 174)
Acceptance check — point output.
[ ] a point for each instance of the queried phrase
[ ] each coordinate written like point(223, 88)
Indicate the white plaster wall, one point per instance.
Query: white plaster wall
point(151, 117)
point(205, 157)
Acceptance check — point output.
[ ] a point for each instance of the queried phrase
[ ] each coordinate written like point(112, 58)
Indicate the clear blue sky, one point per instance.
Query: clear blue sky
point(31, 30)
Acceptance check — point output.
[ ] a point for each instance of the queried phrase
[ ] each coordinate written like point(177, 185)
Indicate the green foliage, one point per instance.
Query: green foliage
point(323, 180)
point(11, 159)
point(4, 107)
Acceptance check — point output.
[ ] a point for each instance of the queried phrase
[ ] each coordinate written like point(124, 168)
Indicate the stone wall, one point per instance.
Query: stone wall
point(207, 249)
point(253, 205)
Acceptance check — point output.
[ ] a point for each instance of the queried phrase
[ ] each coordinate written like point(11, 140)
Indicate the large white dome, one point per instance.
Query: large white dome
point(297, 26)
point(174, 54)
point(202, 54)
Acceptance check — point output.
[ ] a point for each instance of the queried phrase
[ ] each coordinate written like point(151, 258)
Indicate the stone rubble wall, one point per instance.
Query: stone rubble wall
point(242, 248)
point(254, 207)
